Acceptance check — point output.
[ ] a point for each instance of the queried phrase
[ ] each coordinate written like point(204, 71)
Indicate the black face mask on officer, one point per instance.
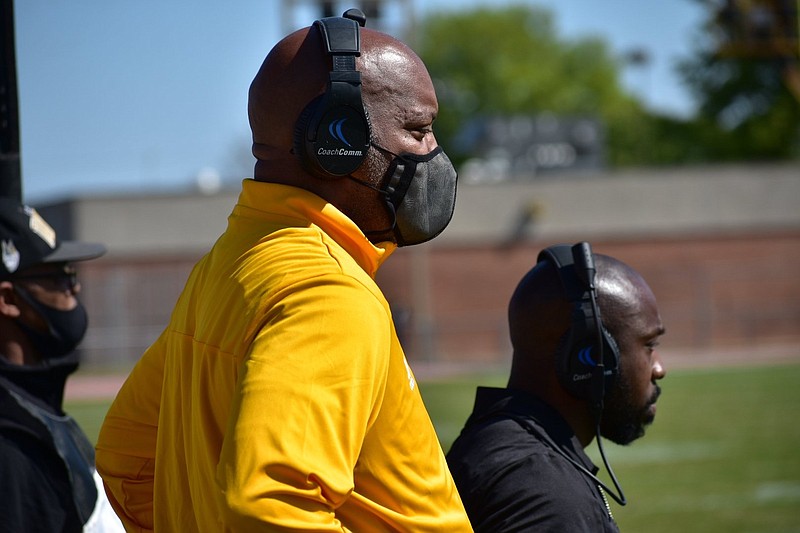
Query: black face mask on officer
point(420, 195)
point(65, 329)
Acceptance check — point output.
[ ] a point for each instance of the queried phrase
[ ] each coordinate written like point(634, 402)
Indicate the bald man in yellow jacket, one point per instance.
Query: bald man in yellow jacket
point(279, 397)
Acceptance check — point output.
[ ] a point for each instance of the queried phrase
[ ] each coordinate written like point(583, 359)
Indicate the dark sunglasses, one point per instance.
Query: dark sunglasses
point(65, 278)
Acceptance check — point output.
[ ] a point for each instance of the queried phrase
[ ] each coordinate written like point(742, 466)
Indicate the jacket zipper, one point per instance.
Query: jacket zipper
point(605, 500)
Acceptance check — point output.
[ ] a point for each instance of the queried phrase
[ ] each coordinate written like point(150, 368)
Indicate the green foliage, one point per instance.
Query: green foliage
point(746, 78)
point(508, 61)
point(748, 98)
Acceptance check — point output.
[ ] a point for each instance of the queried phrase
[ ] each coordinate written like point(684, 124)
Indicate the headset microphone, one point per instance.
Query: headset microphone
point(584, 261)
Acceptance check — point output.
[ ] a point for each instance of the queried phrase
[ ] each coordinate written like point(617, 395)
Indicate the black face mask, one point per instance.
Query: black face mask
point(65, 329)
point(420, 194)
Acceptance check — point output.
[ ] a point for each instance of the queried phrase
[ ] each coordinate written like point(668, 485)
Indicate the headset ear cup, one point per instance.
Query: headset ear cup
point(577, 358)
point(321, 132)
point(303, 130)
point(611, 358)
point(562, 357)
point(574, 359)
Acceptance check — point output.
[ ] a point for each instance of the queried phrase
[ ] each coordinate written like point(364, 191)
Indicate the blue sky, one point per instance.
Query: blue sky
point(132, 97)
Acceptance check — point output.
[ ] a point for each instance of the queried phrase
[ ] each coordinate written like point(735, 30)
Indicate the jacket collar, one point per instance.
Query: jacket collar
point(295, 203)
point(530, 412)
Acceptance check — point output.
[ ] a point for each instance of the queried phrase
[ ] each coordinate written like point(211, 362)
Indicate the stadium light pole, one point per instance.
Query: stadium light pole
point(10, 168)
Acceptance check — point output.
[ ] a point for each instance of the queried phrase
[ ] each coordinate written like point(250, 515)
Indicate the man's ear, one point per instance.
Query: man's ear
point(8, 300)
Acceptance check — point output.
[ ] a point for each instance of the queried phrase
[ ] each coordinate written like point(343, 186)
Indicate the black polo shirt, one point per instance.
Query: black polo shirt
point(512, 474)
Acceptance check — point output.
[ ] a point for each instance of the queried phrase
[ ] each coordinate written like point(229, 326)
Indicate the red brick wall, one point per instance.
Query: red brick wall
point(712, 292)
point(450, 303)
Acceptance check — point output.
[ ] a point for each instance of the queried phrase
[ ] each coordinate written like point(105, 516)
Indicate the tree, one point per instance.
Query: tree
point(508, 61)
point(746, 77)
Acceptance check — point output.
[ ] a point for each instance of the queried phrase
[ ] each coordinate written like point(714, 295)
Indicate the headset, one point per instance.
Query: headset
point(332, 134)
point(587, 360)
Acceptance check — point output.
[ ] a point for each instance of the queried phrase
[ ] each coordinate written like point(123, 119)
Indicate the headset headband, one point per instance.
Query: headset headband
point(587, 361)
point(332, 134)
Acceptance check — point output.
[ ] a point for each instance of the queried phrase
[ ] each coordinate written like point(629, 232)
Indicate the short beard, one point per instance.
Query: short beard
point(623, 422)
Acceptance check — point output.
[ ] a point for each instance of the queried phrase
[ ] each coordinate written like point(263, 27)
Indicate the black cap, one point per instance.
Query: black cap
point(26, 239)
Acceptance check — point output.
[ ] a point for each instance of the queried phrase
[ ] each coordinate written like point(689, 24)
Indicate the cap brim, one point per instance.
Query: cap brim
point(75, 251)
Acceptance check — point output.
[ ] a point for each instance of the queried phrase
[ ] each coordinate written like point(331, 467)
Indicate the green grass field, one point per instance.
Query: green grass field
point(722, 455)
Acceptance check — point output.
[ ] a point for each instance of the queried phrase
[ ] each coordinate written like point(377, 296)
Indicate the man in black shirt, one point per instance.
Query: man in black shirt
point(49, 482)
point(519, 462)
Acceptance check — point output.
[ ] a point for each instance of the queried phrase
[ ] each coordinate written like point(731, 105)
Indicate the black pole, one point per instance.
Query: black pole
point(10, 168)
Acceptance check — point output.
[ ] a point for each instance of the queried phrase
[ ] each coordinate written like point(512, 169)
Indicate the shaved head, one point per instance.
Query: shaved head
point(539, 312)
point(294, 72)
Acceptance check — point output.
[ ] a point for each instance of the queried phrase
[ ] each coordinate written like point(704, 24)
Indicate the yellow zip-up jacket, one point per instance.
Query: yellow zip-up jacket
point(278, 398)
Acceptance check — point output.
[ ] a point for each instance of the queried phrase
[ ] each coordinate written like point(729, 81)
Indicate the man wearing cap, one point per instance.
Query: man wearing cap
point(49, 482)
